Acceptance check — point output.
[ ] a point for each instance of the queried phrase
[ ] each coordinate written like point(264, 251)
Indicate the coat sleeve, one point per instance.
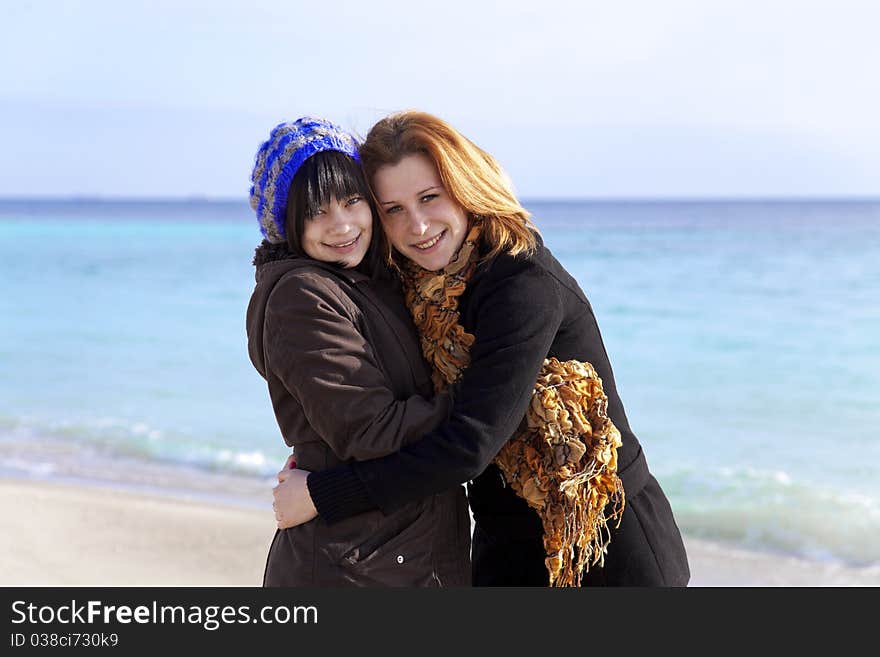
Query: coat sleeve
point(518, 315)
point(315, 348)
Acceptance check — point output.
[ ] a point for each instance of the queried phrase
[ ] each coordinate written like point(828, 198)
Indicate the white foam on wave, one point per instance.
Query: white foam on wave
point(112, 435)
point(255, 461)
point(30, 468)
point(773, 510)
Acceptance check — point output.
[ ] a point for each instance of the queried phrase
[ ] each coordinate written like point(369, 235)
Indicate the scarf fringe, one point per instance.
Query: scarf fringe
point(563, 462)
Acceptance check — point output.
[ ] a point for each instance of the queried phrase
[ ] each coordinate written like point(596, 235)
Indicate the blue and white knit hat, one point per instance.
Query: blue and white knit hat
point(278, 159)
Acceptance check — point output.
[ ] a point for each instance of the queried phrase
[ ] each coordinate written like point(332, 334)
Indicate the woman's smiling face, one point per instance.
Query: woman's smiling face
point(422, 221)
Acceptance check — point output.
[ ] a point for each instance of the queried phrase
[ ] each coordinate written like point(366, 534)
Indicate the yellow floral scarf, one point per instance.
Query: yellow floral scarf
point(563, 458)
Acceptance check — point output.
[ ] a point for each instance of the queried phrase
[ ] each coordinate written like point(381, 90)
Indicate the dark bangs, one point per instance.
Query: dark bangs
point(323, 176)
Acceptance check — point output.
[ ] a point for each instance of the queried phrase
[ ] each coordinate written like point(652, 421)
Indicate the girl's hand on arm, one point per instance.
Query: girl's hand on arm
point(292, 502)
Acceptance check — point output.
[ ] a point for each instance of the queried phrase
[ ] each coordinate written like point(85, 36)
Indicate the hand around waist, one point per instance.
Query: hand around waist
point(292, 502)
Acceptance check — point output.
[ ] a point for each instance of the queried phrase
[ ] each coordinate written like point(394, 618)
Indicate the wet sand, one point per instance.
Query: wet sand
point(63, 534)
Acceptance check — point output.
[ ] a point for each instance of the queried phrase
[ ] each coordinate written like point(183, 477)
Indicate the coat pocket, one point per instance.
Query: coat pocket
point(399, 553)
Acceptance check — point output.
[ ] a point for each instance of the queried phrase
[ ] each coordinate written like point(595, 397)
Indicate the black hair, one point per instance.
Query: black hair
point(323, 176)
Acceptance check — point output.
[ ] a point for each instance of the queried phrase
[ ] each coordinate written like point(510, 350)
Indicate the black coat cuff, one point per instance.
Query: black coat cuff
point(338, 493)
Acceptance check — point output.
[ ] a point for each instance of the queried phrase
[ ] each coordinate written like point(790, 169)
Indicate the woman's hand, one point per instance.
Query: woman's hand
point(293, 504)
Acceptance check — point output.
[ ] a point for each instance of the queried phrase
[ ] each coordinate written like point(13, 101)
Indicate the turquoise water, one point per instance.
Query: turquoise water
point(745, 339)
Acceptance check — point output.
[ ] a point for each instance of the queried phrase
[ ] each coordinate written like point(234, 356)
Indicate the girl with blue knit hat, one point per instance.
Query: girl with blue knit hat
point(328, 331)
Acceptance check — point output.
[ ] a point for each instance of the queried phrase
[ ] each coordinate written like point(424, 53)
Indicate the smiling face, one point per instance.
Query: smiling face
point(421, 220)
point(339, 231)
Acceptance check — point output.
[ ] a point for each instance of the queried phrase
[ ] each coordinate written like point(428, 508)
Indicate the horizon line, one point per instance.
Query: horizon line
point(695, 198)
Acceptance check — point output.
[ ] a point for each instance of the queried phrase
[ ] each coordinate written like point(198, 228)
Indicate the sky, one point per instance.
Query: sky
point(579, 99)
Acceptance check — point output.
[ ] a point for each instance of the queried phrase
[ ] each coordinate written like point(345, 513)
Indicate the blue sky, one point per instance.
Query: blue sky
point(576, 99)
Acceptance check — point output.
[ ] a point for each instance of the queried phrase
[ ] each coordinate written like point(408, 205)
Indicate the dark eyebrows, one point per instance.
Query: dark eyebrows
point(421, 193)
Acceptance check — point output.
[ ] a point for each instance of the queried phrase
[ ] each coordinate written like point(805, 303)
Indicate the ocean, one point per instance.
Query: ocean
point(744, 336)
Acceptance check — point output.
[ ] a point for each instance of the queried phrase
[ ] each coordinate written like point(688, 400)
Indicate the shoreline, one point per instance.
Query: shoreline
point(78, 533)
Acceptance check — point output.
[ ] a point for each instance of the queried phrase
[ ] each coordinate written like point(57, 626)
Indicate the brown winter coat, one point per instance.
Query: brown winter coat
point(347, 382)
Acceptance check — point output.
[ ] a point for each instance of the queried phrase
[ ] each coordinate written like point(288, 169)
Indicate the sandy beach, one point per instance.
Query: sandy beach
point(59, 534)
point(93, 535)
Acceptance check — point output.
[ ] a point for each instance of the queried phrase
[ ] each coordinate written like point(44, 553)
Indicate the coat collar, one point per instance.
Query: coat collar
point(269, 258)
